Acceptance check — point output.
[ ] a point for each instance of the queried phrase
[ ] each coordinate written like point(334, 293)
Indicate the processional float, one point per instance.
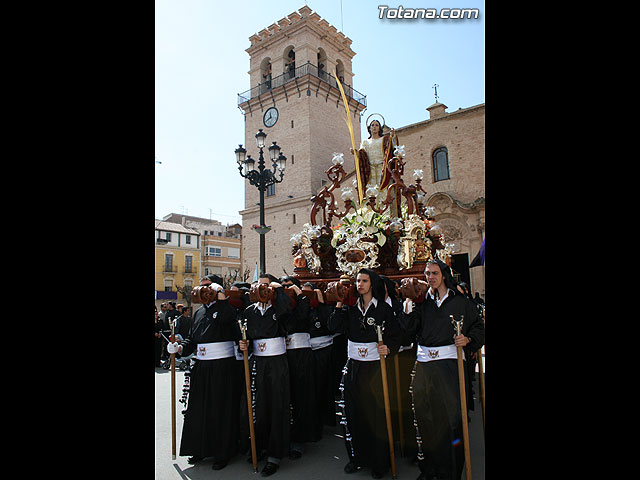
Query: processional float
point(335, 244)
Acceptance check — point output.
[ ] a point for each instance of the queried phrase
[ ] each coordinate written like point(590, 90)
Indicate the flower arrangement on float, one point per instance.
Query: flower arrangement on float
point(363, 222)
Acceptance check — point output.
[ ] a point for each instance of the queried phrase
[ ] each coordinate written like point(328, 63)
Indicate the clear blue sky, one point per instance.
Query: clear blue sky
point(201, 66)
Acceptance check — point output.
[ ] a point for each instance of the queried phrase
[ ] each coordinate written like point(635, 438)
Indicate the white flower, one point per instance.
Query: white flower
point(399, 151)
point(418, 174)
point(368, 216)
point(338, 158)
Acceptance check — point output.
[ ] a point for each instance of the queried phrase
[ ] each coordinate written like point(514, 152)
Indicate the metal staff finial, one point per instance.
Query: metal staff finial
point(243, 329)
point(457, 324)
point(435, 87)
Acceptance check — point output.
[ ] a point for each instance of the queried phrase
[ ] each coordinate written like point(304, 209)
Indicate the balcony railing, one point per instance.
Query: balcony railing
point(169, 269)
point(306, 69)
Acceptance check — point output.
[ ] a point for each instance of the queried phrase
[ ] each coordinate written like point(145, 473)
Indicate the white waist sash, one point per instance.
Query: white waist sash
point(298, 340)
point(365, 352)
point(321, 342)
point(215, 350)
point(429, 354)
point(268, 347)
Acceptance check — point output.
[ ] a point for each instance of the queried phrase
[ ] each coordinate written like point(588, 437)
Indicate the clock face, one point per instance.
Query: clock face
point(270, 117)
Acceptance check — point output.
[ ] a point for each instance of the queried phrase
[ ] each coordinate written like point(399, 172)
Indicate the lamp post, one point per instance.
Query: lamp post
point(261, 178)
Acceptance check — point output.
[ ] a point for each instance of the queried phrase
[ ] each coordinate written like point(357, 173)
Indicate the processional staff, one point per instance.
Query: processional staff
point(457, 324)
point(254, 456)
point(481, 372)
point(387, 409)
point(396, 364)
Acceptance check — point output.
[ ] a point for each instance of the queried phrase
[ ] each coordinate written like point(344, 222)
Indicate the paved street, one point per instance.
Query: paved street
point(322, 460)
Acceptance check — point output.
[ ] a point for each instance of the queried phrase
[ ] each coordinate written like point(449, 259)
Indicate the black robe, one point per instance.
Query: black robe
point(322, 357)
point(244, 436)
point(301, 376)
point(270, 378)
point(363, 412)
point(157, 328)
point(210, 422)
point(436, 390)
point(399, 372)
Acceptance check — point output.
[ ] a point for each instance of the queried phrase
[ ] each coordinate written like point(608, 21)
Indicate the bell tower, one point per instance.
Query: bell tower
point(294, 98)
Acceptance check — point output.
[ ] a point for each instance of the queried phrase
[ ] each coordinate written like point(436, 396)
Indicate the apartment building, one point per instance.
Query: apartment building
point(177, 259)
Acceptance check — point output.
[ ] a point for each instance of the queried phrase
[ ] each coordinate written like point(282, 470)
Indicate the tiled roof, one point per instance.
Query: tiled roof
point(175, 227)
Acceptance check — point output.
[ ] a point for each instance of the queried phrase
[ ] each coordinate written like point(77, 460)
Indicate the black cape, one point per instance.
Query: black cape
point(210, 426)
point(301, 374)
point(322, 370)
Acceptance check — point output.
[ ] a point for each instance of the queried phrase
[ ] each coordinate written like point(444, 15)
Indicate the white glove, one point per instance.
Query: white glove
point(408, 306)
point(216, 287)
point(173, 347)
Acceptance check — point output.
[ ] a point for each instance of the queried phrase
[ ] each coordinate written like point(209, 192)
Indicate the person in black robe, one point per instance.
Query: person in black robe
point(300, 358)
point(321, 347)
point(269, 375)
point(399, 372)
point(157, 328)
point(363, 412)
point(210, 420)
point(244, 436)
point(435, 386)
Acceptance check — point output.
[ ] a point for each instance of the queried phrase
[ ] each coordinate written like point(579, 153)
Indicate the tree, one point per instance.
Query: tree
point(237, 276)
point(186, 293)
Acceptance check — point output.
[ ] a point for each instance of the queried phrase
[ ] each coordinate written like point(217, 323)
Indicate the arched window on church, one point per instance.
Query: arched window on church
point(440, 164)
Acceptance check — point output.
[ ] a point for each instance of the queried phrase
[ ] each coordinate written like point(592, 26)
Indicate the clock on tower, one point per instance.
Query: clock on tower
point(270, 117)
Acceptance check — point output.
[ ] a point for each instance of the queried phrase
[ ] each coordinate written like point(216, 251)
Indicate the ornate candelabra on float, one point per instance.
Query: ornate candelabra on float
point(366, 234)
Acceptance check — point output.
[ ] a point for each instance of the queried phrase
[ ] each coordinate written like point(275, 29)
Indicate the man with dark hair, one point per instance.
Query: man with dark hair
point(436, 390)
point(172, 314)
point(183, 323)
point(269, 374)
point(211, 278)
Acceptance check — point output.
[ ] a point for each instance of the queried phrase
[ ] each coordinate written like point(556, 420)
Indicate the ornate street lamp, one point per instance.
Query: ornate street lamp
point(261, 178)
